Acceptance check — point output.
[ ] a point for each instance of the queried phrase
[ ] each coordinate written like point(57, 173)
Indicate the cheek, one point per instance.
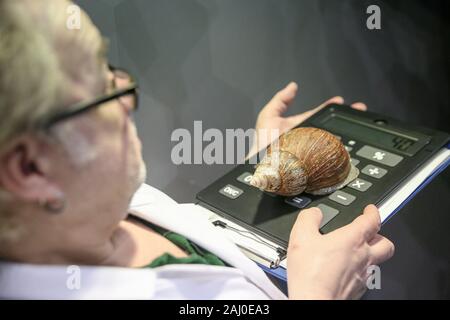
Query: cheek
point(136, 141)
point(126, 132)
point(122, 148)
point(131, 149)
point(131, 140)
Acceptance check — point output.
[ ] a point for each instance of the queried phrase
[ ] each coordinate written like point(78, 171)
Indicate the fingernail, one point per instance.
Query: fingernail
point(314, 210)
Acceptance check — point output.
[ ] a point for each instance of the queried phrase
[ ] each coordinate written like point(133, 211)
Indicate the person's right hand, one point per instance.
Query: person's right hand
point(334, 266)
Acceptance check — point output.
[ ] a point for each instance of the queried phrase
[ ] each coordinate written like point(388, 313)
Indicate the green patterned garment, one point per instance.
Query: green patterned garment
point(196, 255)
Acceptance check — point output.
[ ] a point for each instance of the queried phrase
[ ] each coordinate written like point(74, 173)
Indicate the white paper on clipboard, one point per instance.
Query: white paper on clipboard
point(402, 195)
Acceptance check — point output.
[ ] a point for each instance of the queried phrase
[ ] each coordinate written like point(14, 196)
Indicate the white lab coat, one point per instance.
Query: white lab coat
point(245, 280)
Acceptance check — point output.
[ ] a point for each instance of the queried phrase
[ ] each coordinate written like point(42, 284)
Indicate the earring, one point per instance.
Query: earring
point(54, 205)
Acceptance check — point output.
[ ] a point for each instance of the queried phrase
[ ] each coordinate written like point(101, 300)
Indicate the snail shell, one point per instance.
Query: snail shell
point(305, 160)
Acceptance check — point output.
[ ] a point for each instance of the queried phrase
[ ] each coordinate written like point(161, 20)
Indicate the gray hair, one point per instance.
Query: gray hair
point(44, 65)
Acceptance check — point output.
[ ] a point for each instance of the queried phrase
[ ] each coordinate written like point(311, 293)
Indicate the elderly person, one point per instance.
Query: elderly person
point(70, 163)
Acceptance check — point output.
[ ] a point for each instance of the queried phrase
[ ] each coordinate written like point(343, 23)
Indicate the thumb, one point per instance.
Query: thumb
point(307, 223)
point(281, 100)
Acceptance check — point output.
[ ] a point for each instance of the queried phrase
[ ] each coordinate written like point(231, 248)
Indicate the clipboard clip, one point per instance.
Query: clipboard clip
point(272, 255)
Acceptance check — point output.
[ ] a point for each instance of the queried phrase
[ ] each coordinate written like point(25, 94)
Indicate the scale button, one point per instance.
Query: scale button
point(352, 143)
point(374, 172)
point(360, 185)
point(348, 148)
point(299, 201)
point(231, 191)
point(246, 177)
point(328, 213)
point(380, 156)
point(342, 197)
point(354, 162)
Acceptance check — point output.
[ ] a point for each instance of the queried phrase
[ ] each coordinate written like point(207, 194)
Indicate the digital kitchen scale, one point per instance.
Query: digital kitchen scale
point(395, 160)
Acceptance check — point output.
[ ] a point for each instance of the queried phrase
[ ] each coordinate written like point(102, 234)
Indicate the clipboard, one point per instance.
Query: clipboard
point(424, 153)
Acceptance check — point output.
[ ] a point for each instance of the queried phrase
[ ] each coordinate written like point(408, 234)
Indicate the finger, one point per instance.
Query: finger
point(368, 223)
point(334, 100)
point(307, 223)
point(381, 249)
point(299, 118)
point(281, 100)
point(288, 94)
point(359, 106)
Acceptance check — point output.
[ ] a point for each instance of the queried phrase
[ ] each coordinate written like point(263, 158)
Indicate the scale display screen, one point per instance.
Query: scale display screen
point(381, 137)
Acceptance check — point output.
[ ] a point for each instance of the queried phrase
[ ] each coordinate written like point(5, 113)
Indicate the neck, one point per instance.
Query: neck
point(44, 246)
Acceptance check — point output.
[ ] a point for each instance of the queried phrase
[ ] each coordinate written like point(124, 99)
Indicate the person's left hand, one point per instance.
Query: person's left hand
point(271, 117)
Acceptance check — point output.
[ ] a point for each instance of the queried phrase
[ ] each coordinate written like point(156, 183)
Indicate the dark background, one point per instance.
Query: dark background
point(219, 61)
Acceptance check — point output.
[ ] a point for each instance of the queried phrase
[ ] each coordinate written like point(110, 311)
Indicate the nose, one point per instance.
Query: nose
point(128, 102)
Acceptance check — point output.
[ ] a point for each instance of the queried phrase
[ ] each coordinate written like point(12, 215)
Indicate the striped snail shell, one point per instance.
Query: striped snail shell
point(307, 160)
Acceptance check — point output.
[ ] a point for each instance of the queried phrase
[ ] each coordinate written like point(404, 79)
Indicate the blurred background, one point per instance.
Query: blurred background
point(220, 61)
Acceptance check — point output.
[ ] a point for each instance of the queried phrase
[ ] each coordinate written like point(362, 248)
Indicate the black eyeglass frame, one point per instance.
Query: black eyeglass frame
point(83, 107)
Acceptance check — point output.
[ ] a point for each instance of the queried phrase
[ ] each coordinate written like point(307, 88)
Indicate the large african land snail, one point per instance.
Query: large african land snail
point(305, 160)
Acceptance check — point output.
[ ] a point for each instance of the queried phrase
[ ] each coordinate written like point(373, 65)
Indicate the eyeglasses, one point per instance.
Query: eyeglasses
point(127, 95)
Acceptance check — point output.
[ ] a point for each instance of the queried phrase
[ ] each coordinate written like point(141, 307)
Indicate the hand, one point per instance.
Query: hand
point(271, 119)
point(334, 266)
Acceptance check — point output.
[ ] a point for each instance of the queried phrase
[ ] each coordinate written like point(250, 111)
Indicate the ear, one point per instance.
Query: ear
point(24, 170)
